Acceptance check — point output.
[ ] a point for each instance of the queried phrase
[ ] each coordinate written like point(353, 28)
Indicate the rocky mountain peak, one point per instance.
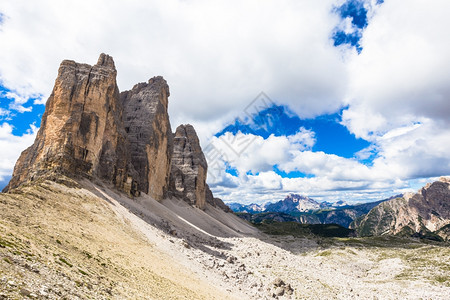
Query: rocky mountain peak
point(106, 61)
point(293, 202)
point(444, 179)
point(91, 130)
point(189, 167)
point(297, 198)
point(149, 133)
point(426, 211)
point(81, 131)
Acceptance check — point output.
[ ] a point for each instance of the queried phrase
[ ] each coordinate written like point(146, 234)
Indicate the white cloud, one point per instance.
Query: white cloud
point(420, 152)
point(12, 146)
point(401, 77)
point(399, 96)
point(215, 56)
point(252, 153)
point(401, 154)
point(4, 113)
point(18, 102)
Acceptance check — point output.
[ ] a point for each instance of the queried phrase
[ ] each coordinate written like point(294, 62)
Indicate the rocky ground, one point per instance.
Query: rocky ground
point(61, 242)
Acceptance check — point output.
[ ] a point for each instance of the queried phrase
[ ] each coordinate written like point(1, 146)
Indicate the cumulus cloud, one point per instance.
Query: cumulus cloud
point(252, 153)
point(399, 95)
point(17, 102)
point(214, 56)
point(12, 146)
point(399, 156)
point(418, 151)
point(401, 77)
point(217, 58)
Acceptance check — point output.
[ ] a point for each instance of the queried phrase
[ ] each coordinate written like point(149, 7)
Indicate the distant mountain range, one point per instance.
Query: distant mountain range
point(425, 214)
point(293, 203)
point(304, 210)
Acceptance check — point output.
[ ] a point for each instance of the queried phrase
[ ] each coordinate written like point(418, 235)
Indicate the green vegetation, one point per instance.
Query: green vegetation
point(65, 261)
point(302, 230)
point(325, 253)
point(4, 243)
point(442, 279)
point(7, 260)
point(87, 254)
point(83, 272)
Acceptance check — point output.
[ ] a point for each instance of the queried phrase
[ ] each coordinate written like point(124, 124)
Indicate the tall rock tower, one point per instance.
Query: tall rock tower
point(147, 124)
point(91, 130)
point(81, 130)
point(189, 167)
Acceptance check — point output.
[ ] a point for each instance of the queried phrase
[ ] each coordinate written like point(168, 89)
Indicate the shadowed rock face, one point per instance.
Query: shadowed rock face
point(81, 131)
point(189, 167)
point(148, 129)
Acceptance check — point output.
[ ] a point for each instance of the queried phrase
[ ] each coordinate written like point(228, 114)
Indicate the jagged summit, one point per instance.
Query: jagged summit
point(293, 202)
point(189, 167)
point(421, 213)
point(81, 130)
point(149, 133)
point(106, 61)
point(91, 130)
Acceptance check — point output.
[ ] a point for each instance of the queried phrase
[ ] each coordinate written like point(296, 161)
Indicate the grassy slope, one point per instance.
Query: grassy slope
point(64, 242)
point(304, 230)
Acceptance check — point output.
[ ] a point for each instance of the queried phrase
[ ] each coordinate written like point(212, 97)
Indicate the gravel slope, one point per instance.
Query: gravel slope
point(91, 242)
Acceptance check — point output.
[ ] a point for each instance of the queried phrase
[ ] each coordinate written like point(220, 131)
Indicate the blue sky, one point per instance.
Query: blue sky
point(354, 103)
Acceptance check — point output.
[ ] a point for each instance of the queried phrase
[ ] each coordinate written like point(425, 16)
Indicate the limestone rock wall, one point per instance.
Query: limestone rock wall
point(189, 167)
point(81, 131)
point(91, 130)
point(216, 202)
point(147, 124)
point(428, 210)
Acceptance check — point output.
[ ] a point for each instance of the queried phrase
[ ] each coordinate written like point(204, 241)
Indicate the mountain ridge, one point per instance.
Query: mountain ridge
point(108, 203)
point(306, 210)
point(92, 130)
point(423, 213)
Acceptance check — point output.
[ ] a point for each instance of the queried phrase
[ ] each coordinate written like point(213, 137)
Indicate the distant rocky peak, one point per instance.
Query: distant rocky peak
point(106, 61)
point(420, 213)
point(445, 179)
point(297, 197)
point(293, 203)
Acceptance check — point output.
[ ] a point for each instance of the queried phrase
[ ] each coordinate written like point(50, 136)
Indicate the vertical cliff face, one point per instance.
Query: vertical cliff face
point(91, 130)
point(81, 131)
point(189, 167)
point(149, 133)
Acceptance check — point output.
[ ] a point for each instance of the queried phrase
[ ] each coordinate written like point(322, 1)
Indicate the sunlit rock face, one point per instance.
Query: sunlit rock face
point(81, 132)
point(91, 130)
point(426, 211)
